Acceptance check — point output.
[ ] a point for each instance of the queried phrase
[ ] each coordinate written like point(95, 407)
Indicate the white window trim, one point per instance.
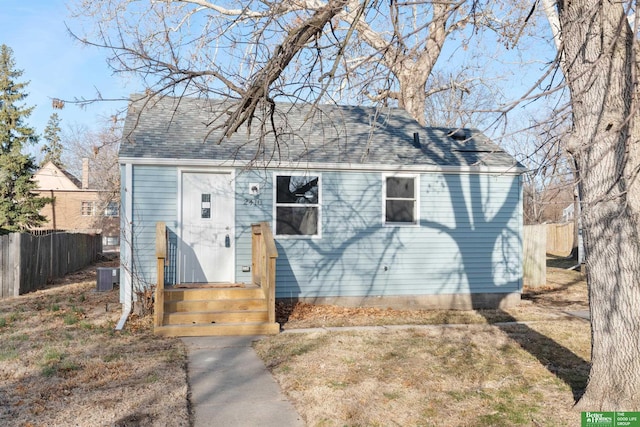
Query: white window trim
point(416, 188)
point(91, 208)
point(275, 205)
point(117, 211)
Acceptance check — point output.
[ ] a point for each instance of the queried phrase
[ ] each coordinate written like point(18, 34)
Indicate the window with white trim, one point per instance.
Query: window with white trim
point(88, 208)
point(400, 200)
point(112, 209)
point(297, 205)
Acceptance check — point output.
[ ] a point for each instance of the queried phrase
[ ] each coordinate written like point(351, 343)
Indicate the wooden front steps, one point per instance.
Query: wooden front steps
point(215, 312)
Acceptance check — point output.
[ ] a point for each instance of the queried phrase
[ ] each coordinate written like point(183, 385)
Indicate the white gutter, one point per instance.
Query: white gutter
point(126, 225)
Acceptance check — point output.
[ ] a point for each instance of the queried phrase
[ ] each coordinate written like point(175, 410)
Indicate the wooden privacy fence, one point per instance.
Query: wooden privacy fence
point(560, 238)
point(27, 262)
point(535, 255)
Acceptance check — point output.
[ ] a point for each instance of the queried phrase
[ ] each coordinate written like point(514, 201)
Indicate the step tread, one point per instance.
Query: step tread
point(215, 312)
point(215, 317)
point(214, 305)
point(234, 328)
point(199, 296)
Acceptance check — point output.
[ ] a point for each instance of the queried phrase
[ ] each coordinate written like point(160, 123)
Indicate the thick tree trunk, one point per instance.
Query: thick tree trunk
point(412, 95)
point(598, 63)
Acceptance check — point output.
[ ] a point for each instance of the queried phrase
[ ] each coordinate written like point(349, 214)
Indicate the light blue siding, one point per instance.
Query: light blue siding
point(468, 238)
point(250, 209)
point(155, 198)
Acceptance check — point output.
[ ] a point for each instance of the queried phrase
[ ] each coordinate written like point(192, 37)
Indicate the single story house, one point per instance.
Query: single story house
point(366, 206)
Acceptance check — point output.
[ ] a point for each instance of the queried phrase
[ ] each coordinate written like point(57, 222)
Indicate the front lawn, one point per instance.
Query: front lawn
point(472, 371)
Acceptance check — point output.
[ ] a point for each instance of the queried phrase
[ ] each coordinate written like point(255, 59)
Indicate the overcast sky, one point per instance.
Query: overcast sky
point(56, 65)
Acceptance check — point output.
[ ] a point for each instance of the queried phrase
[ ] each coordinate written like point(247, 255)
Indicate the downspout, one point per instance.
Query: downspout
point(126, 246)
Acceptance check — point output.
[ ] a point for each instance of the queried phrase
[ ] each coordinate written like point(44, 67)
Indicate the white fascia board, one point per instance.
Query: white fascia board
point(503, 170)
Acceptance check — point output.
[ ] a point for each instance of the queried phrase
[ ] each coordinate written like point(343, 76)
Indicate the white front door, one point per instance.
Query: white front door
point(206, 251)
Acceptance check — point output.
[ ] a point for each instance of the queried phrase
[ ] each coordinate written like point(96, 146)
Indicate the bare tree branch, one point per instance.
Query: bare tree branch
point(296, 39)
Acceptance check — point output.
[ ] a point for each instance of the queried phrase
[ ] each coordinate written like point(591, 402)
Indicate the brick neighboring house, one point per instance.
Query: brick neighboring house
point(76, 207)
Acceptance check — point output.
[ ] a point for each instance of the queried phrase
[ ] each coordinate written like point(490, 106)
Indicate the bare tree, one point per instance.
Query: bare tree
point(548, 186)
point(100, 149)
point(309, 49)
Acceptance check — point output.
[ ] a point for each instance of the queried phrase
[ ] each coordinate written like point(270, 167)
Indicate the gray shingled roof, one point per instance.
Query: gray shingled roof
point(171, 128)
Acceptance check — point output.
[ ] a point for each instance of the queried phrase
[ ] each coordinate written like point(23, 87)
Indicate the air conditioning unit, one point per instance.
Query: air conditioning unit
point(107, 277)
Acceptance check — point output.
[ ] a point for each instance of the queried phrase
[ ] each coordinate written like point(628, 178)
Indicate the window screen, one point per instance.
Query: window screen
point(400, 200)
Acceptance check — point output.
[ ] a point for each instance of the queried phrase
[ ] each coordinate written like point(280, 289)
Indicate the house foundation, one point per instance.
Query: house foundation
point(420, 302)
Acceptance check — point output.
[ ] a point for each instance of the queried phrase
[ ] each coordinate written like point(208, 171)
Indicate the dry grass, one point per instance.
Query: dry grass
point(62, 363)
point(475, 374)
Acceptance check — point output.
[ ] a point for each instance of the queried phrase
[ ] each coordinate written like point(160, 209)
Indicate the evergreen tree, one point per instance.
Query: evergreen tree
point(19, 206)
point(53, 148)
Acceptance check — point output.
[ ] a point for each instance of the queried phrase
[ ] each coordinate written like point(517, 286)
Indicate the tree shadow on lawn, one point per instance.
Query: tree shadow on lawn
point(568, 367)
point(559, 360)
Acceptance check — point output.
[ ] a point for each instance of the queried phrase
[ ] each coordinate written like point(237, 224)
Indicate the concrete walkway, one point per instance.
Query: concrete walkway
point(230, 386)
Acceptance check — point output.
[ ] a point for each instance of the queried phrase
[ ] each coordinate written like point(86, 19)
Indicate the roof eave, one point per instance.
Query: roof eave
point(515, 169)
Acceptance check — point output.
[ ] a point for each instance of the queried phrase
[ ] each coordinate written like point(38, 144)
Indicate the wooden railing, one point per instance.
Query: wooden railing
point(263, 264)
point(263, 260)
point(161, 256)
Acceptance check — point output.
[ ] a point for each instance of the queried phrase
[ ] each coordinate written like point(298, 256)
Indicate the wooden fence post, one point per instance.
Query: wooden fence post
point(161, 256)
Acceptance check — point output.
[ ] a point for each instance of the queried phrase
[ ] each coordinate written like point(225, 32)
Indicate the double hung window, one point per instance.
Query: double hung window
point(88, 208)
point(297, 205)
point(112, 209)
point(400, 200)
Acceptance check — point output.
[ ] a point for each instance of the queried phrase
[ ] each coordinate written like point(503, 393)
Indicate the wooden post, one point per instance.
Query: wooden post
point(16, 260)
point(271, 298)
point(256, 245)
point(161, 256)
point(263, 264)
point(270, 253)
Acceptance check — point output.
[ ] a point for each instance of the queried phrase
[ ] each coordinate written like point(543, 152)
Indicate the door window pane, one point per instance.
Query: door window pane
point(205, 206)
